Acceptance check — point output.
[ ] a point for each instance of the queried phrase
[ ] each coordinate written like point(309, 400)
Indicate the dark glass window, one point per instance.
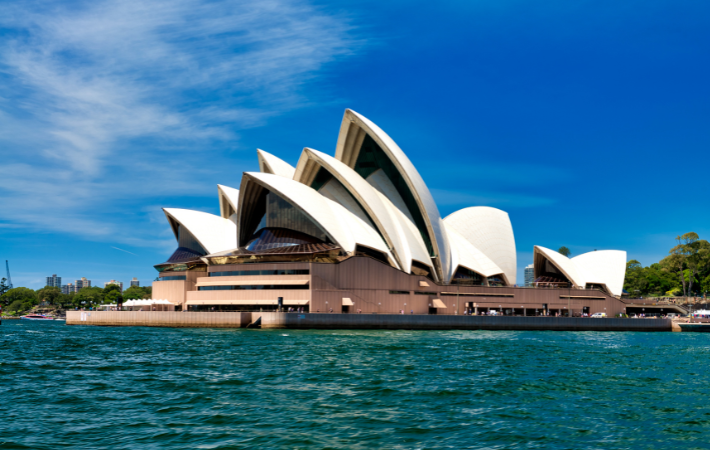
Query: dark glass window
point(421, 269)
point(233, 273)
point(274, 212)
point(259, 287)
point(173, 278)
point(495, 281)
point(371, 158)
point(268, 238)
point(399, 292)
point(425, 293)
point(367, 251)
point(467, 277)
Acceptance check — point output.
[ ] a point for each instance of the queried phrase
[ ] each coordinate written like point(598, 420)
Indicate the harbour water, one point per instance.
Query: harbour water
point(158, 388)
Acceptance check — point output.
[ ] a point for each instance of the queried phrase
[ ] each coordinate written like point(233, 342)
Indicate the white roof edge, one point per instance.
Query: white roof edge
point(269, 163)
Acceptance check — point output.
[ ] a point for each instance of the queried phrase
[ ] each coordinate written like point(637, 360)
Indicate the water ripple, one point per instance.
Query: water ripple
point(88, 388)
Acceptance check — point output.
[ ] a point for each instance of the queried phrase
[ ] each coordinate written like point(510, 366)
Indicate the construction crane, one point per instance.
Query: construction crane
point(9, 280)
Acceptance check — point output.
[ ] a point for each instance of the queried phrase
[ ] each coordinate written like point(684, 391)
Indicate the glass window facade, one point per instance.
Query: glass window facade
point(173, 278)
point(270, 238)
point(258, 287)
point(264, 308)
point(467, 277)
point(271, 211)
point(425, 293)
point(236, 273)
point(399, 292)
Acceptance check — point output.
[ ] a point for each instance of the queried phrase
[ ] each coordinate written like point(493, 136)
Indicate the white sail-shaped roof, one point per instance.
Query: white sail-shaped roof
point(366, 196)
point(269, 163)
point(352, 133)
point(465, 254)
point(228, 200)
point(606, 267)
point(343, 227)
point(563, 264)
point(490, 231)
point(213, 233)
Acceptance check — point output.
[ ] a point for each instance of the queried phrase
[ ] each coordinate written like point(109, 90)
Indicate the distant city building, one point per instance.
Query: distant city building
point(529, 275)
point(82, 283)
point(54, 281)
point(135, 282)
point(117, 283)
point(70, 288)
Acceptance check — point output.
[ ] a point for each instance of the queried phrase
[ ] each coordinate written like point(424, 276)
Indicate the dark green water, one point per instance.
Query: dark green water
point(148, 388)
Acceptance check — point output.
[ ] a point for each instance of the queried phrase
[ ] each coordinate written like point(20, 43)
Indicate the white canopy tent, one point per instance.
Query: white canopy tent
point(142, 305)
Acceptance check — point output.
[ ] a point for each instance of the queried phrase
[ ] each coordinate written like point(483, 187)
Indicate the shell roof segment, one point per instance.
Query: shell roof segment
point(269, 163)
point(366, 197)
point(464, 253)
point(605, 267)
point(213, 233)
point(342, 226)
point(489, 230)
point(228, 200)
point(353, 133)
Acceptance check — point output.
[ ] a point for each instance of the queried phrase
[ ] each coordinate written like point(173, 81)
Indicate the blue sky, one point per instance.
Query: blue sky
point(588, 122)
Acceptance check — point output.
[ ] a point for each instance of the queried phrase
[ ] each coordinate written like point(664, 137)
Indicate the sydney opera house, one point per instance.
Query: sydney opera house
point(360, 232)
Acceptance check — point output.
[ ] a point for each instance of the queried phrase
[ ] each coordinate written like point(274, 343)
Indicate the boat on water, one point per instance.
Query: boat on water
point(695, 327)
point(36, 317)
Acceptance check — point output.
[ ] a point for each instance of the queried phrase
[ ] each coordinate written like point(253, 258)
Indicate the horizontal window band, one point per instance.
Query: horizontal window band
point(234, 273)
point(246, 302)
point(261, 282)
point(477, 294)
point(253, 287)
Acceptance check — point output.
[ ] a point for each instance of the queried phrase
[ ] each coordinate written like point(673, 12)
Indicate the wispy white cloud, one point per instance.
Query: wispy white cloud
point(97, 98)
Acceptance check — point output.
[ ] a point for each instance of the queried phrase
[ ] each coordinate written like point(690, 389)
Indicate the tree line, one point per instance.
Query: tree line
point(21, 299)
point(684, 272)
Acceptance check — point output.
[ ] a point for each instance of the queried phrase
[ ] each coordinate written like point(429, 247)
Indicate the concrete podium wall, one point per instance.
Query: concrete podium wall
point(434, 322)
point(160, 319)
point(357, 321)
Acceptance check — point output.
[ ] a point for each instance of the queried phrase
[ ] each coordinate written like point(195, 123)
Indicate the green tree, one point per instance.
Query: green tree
point(22, 294)
point(4, 287)
point(88, 297)
point(564, 251)
point(136, 293)
point(688, 259)
point(17, 307)
point(113, 296)
point(49, 294)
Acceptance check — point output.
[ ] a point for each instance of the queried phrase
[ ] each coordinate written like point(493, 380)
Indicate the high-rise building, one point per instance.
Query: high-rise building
point(529, 275)
point(82, 283)
point(117, 283)
point(69, 288)
point(54, 281)
point(135, 282)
